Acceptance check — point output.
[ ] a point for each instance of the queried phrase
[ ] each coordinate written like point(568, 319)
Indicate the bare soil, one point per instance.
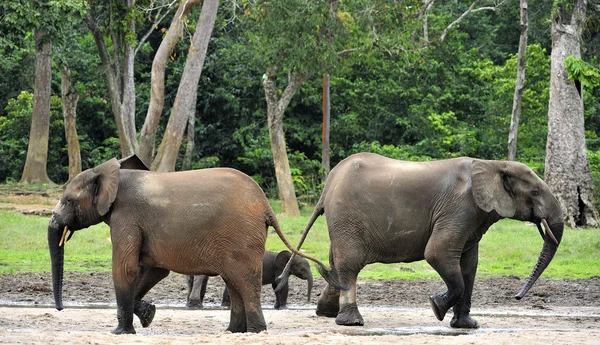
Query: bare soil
point(395, 311)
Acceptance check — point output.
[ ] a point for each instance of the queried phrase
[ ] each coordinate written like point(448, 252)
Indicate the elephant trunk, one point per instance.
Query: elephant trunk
point(57, 257)
point(548, 251)
point(310, 286)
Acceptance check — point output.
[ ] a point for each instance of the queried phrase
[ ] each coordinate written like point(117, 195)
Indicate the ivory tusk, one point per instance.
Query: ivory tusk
point(62, 239)
point(548, 231)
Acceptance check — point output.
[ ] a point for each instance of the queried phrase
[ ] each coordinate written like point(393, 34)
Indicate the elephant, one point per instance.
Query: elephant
point(384, 210)
point(209, 221)
point(273, 265)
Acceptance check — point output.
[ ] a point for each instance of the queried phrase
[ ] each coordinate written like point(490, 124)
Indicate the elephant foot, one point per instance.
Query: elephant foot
point(145, 312)
point(349, 316)
point(328, 308)
point(193, 304)
point(123, 330)
point(226, 304)
point(463, 321)
point(439, 306)
point(280, 307)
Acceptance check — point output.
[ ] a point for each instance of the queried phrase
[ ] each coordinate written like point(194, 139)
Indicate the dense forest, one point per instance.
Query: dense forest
point(408, 79)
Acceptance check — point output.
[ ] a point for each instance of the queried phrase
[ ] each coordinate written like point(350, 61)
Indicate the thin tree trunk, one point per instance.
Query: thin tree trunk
point(157, 91)
point(275, 110)
point(567, 170)
point(69, 105)
point(37, 150)
point(520, 85)
point(325, 156)
point(169, 147)
point(121, 92)
point(191, 130)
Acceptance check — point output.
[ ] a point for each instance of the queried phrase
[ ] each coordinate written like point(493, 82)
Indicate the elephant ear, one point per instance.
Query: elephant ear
point(107, 184)
point(491, 188)
point(133, 162)
point(282, 259)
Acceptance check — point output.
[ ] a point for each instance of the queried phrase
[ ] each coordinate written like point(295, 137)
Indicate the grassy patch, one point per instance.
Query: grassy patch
point(508, 248)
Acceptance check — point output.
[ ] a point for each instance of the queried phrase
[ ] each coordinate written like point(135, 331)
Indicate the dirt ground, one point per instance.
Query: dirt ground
point(395, 312)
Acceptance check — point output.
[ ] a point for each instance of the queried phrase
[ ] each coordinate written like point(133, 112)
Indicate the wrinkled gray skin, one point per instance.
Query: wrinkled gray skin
point(273, 264)
point(210, 221)
point(384, 210)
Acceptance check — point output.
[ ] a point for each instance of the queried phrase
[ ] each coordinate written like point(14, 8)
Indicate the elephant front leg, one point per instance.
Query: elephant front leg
point(147, 277)
point(462, 309)
point(443, 253)
point(196, 291)
point(281, 296)
point(124, 281)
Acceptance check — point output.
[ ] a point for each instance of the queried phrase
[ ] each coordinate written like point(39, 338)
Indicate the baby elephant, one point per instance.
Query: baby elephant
point(273, 264)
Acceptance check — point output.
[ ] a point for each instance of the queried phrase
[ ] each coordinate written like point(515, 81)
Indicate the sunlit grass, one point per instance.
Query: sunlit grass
point(508, 248)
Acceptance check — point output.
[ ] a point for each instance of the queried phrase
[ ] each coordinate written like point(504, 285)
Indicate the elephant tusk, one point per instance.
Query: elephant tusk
point(540, 230)
point(548, 231)
point(62, 239)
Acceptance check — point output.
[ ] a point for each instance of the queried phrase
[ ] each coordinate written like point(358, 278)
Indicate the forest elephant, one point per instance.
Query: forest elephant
point(273, 265)
point(384, 210)
point(209, 221)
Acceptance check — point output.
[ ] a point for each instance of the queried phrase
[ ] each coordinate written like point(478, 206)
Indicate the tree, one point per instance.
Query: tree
point(188, 87)
point(70, 97)
point(520, 85)
point(157, 82)
point(37, 150)
point(567, 168)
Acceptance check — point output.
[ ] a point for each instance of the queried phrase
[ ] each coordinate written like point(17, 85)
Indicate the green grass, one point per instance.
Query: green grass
point(508, 248)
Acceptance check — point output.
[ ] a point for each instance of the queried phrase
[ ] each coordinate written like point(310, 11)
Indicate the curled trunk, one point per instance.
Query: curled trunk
point(548, 251)
point(310, 285)
point(57, 255)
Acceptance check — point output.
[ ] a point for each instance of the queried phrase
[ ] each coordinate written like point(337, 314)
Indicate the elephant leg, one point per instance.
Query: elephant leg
point(226, 301)
point(124, 278)
point(329, 302)
point(281, 296)
point(237, 319)
point(147, 277)
point(443, 253)
point(348, 314)
point(196, 291)
point(462, 309)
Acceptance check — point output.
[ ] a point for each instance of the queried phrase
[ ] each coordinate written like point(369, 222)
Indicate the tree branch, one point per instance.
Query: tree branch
point(471, 9)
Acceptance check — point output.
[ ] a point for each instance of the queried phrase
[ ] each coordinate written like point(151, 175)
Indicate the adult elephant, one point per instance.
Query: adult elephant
point(273, 265)
point(385, 210)
point(211, 221)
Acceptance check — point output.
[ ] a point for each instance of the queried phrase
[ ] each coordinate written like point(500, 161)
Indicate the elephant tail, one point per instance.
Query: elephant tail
point(329, 274)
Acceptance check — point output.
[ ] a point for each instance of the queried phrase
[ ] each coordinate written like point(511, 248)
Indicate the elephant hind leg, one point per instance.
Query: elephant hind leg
point(349, 314)
point(237, 319)
point(329, 302)
point(146, 278)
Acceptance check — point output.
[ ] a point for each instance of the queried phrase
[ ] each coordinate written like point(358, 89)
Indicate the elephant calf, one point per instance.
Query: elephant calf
point(273, 265)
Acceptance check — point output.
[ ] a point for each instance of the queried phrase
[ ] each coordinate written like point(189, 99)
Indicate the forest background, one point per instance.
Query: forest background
point(414, 80)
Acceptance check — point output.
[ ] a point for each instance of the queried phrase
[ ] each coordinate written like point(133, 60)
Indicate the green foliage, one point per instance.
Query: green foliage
point(594, 160)
point(587, 74)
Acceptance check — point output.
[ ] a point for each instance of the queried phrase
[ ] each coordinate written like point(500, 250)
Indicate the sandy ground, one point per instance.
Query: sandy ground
point(395, 312)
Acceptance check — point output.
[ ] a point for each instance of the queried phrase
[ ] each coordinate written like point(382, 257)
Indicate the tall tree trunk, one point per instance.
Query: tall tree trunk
point(121, 87)
point(37, 150)
point(275, 110)
point(191, 129)
point(567, 169)
point(69, 105)
point(325, 156)
point(520, 85)
point(188, 86)
point(157, 91)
